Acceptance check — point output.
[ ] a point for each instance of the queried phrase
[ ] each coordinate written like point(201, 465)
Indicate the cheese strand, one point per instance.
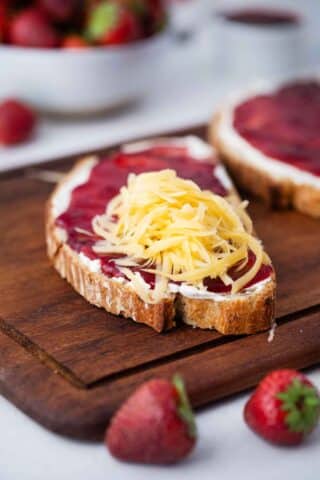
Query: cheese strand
point(170, 227)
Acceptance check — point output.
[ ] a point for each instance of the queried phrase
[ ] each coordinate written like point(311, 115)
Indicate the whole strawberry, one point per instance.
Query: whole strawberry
point(17, 122)
point(31, 28)
point(284, 408)
point(110, 23)
point(155, 425)
point(59, 10)
point(3, 22)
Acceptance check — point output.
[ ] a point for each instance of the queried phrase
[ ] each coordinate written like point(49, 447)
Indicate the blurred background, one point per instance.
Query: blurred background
point(95, 75)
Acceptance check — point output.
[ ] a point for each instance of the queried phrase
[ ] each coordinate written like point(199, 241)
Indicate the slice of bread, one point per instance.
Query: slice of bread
point(246, 312)
point(280, 184)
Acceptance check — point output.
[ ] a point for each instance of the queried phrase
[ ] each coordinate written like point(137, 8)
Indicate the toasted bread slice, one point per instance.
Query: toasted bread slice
point(247, 312)
point(280, 184)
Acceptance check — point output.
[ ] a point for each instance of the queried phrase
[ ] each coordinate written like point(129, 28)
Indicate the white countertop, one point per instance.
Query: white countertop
point(226, 450)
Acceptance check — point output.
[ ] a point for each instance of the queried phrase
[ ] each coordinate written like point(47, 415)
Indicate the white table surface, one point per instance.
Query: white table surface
point(227, 450)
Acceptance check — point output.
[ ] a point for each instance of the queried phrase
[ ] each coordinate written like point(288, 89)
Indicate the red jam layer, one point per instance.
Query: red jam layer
point(262, 17)
point(105, 181)
point(284, 125)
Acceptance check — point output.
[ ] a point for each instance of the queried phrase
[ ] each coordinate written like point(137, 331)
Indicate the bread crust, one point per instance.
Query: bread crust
point(244, 313)
point(277, 193)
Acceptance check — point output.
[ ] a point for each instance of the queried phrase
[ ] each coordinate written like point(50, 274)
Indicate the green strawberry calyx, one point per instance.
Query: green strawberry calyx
point(102, 19)
point(184, 408)
point(302, 404)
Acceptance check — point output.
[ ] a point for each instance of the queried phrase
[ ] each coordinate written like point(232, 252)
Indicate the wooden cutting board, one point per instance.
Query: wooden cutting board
point(68, 364)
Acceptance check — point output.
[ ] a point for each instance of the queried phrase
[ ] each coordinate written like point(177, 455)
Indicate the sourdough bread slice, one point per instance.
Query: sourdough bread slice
point(280, 184)
point(247, 312)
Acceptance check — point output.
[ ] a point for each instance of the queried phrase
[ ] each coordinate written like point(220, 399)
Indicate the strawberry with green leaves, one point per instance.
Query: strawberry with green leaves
point(154, 426)
point(284, 408)
point(111, 23)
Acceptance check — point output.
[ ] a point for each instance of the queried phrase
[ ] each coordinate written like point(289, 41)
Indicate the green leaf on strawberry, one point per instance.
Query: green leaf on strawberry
point(111, 23)
point(102, 19)
point(184, 408)
point(302, 404)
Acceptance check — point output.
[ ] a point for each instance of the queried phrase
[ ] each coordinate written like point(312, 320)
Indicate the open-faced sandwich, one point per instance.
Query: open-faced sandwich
point(156, 232)
point(269, 140)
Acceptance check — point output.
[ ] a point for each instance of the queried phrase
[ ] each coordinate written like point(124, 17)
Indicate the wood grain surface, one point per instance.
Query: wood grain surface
point(69, 364)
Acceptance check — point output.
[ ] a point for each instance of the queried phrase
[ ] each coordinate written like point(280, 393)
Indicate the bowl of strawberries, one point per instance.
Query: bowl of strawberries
point(80, 56)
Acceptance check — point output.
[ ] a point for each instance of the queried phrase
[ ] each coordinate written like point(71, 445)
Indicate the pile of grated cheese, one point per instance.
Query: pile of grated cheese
point(169, 226)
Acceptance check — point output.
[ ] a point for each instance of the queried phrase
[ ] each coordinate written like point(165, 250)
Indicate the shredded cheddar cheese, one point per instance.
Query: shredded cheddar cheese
point(169, 226)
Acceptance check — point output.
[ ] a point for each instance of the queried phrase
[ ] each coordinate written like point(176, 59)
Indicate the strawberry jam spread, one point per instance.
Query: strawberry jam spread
point(263, 17)
point(284, 125)
point(106, 179)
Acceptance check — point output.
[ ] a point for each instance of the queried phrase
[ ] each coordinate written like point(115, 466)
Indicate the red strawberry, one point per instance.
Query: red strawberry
point(284, 408)
point(17, 122)
point(155, 425)
point(3, 22)
point(31, 28)
point(151, 14)
point(111, 24)
point(58, 10)
point(74, 42)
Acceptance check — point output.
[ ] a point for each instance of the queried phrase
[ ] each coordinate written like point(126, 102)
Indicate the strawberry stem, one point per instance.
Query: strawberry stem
point(184, 407)
point(302, 404)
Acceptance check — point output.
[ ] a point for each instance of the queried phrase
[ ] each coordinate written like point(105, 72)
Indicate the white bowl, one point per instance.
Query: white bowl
point(250, 50)
point(81, 81)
